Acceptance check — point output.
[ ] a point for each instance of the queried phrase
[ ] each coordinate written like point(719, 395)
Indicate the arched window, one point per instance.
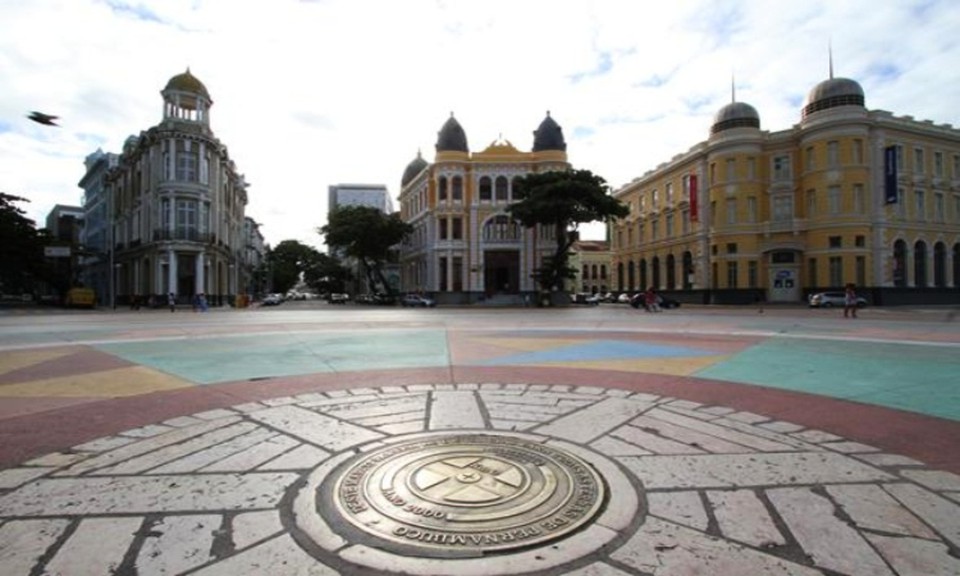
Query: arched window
point(593, 272)
point(485, 189)
point(920, 264)
point(671, 272)
point(900, 263)
point(655, 272)
point(603, 271)
point(501, 188)
point(643, 274)
point(939, 265)
point(501, 229)
point(687, 270)
point(442, 189)
point(631, 279)
point(457, 188)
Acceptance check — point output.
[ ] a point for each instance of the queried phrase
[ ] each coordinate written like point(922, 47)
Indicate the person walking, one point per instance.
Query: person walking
point(850, 301)
point(172, 302)
point(651, 300)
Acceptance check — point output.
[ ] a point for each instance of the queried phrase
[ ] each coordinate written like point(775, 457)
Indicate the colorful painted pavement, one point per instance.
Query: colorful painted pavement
point(728, 445)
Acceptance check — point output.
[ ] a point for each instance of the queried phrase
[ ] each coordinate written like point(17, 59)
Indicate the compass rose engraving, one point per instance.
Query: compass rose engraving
point(469, 480)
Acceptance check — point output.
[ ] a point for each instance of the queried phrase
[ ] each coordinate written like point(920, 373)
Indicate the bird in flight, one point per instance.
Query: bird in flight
point(42, 118)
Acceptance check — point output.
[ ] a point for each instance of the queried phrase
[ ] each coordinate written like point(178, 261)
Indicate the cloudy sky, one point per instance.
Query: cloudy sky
point(309, 94)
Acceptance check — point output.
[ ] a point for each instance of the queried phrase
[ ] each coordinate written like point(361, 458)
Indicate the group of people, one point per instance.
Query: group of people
point(199, 302)
point(649, 299)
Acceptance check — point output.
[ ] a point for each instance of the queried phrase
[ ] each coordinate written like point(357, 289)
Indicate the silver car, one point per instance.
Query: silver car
point(831, 299)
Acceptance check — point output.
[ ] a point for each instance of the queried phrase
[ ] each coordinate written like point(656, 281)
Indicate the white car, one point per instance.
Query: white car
point(417, 301)
point(831, 299)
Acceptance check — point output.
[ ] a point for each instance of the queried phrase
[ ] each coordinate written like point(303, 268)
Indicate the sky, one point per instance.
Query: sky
point(311, 94)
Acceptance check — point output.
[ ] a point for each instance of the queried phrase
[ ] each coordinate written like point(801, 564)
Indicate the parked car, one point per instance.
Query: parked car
point(272, 300)
point(831, 299)
point(417, 301)
point(624, 298)
point(585, 298)
point(336, 298)
point(639, 301)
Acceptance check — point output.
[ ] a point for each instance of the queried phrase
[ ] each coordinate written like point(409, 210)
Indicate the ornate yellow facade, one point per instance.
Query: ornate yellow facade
point(752, 214)
point(465, 248)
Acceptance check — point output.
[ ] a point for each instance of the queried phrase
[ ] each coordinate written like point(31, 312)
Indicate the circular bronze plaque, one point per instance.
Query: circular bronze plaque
point(468, 492)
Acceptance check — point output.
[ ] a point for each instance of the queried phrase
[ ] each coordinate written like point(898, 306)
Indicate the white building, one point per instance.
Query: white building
point(372, 195)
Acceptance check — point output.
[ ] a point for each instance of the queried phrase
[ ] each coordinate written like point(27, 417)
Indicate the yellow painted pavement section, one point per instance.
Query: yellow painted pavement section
point(119, 382)
point(16, 360)
point(685, 366)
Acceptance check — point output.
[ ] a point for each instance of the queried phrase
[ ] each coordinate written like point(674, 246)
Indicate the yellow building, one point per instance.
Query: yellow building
point(465, 248)
point(591, 261)
point(750, 213)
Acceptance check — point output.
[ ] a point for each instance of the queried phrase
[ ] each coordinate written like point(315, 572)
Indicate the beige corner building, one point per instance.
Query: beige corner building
point(846, 195)
point(465, 248)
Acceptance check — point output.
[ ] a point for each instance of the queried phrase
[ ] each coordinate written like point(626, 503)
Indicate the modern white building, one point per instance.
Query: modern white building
point(372, 195)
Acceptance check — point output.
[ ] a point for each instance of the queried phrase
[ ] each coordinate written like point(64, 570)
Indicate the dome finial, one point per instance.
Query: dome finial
point(733, 88)
point(830, 56)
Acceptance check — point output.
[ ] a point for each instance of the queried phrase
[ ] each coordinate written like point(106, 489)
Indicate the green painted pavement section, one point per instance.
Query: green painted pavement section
point(206, 361)
point(918, 378)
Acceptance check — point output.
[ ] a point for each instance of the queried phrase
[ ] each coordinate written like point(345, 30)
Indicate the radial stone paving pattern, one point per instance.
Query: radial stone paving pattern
point(477, 479)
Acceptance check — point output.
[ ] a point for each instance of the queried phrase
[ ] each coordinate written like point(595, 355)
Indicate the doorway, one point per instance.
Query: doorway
point(501, 272)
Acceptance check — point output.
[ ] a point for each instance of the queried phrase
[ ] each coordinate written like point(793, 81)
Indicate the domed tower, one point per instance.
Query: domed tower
point(186, 99)
point(451, 137)
point(735, 115)
point(549, 136)
point(833, 93)
point(413, 169)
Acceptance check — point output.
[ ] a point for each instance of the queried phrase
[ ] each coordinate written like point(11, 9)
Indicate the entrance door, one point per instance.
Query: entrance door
point(784, 284)
point(501, 272)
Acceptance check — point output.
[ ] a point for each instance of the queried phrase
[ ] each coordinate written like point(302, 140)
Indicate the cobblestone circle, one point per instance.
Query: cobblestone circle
point(690, 488)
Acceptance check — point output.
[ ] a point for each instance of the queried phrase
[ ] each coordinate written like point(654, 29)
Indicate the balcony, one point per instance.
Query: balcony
point(183, 234)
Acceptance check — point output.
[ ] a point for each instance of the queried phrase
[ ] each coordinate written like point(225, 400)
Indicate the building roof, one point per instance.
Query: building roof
point(735, 115)
point(187, 82)
point(451, 137)
point(549, 136)
point(831, 93)
point(414, 168)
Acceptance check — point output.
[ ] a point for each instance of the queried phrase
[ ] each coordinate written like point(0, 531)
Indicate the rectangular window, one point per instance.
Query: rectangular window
point(731, 170)
point(457, 191)
point(918, 160)
point(812, 273)
point(443, 223)
point(186, 166)
point(641, 228)
point(654, 199)
point(811, 203)
point(187, 219)
point(457, 228)
point(833, 154)
point(458, 274)
point(836, 241)
point(669, 225)
point(938, 164)
point(443, 274)
point(713, 173)
point(655, 229)
point(920, 205)
point(442, 190)
point(685, 221)
point(808, 159)
point(956, 166)
point(938, 207)
point(858, 199)
point(731, 211)
point(731, 274)
point(752, 274)
point(860, 241)
point(751, 168)
point(833, 200)
point(900, 156)
point(857, 147)
point(836, 271)
point(751, 209)
point(731, 248)
point(641, 204)
point(782, 208)
point(781, 168)
point(668, 190)
point(861, 271)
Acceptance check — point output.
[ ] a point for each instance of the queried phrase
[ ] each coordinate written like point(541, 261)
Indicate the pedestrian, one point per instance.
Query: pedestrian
point(850, 301)
point(202, 301)
point(172, 302)
point(758, 300)
point(651, 300)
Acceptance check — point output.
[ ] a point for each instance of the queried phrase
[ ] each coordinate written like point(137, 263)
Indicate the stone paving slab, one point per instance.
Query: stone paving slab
point(694, 488)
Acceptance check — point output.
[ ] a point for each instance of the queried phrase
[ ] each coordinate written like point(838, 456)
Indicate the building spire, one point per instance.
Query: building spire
point(830, 56)
point(733, 88)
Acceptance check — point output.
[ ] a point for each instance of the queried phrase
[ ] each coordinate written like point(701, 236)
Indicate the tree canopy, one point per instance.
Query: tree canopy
point(562, 200)
point(21, 248)
point(287, 261)
point(366, 234)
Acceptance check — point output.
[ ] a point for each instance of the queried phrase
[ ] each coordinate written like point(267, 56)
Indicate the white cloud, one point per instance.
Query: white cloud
point(308, 94)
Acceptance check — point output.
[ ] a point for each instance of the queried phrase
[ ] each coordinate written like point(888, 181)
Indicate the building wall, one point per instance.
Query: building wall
point(783, 214)
point(464, 247)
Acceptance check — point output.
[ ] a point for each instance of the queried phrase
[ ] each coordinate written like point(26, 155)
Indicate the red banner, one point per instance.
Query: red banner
point(694, 215)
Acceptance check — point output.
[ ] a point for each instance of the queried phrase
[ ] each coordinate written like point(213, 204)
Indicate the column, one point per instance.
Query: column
point(200, 269)
point(172, 271)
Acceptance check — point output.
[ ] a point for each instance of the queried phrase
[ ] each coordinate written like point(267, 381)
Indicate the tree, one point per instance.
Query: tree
point(563, 201)
point(288, 261)
point(367, 234)
point(326, 274)
point(22, 262)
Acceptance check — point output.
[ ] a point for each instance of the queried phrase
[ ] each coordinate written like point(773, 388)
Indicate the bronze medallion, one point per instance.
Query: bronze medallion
point(468, 492)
